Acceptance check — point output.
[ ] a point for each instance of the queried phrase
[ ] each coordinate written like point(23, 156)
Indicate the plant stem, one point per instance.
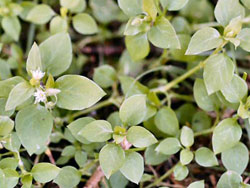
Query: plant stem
point(160, 179)
point(204, 132)
point(189, 73)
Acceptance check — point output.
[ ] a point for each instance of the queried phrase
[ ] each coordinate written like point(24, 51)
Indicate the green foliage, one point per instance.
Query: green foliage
point(170, 81)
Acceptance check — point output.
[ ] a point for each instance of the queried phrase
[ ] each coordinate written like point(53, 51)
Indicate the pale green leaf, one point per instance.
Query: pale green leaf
point(105, 76)
point(34, 61)
point(203, 40)
point(58, 25)
point(11, 26)
point(153, 157)
point(197, 184)
point(133, 167)
point(68, 177)
point(56, 53)
point(77, 92)
point(205, 157)
point(149, 6)
point(40, 14)
point(166, 121)
point(169, 146)
point(18, 95)
point(235, 90)
point(84, 24)
point(7, 85)
point(97, 131)
point(173, 5)
point(163, 35)
point(218, 71)
point(79, 124)
point(133, 110)
point(112, 158)
point(180, 172)
point(6, 125)
point(187, 136)
point(244, 37)
point(34, 126)
point(131, 7)
point(44, 172)
point(226, 135)
point(69, 4)
point(236, 158)
point(186, 156)
point(226, 10)
point(229, 179)
point(137, 46)
point(140, 137)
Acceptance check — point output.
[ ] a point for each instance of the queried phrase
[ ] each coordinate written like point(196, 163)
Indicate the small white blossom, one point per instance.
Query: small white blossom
point(52, 91)
point(40, 96)
point(37, 74)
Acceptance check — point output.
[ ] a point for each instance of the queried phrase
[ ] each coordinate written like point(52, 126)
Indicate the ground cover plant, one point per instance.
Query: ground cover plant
point(126, 93)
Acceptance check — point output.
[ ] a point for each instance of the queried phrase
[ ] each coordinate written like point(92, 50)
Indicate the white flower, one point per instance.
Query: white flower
point(52, 91)
point(40, 96)
point(37, 74)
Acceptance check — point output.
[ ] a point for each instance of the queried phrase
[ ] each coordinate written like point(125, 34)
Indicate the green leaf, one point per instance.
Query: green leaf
point(97, 131)
point(186, 156)
point(140, 137)
point(69, 4)
point(80, 158)
point(187, 136)
point(56, 53)
point(13, 143)
point(235, 90)
point(18, 95)
point(40, 14)
point(163, 35)
point(105, 76)
point(44, 172)
point(133, 167)
point(229, 179)
point(149, 6)
point(7, 85)
point(34, 61)
point(166, 121)
point(2, 108)
point(68, 151)
point(118, 180)
point(153, 157)
point(218, 71)
point(26, 181)
point(9, 162)
point(226, 10)
point(137, 25)
point(169, 146)
point(81, 6)
point(112, 158)
point(33, 127)
point(236, 158)
point(77, 92)
point(204, 101)
point(58, 25)
point(203, 40)
point(226, 135)
point(68, 177)
point(197, 184)
point(131, 7)
point(11, 26)
point(244, 37)
point(137, 46)
point(84, 24)
point(185, 113)
point(6, 125)
point(133, 110)
point(77, 125)
point(201, 121)
point(11, 178)
point(180, 172)
point(205, 157)
point(173, 5)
